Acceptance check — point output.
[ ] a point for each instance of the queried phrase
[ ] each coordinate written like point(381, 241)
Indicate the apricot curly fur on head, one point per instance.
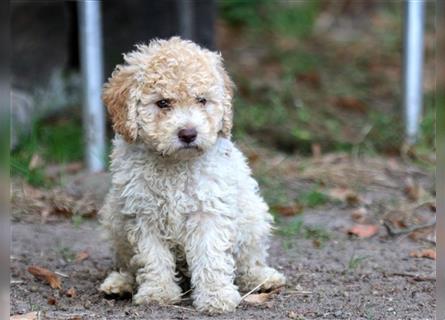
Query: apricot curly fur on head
point(181, 208)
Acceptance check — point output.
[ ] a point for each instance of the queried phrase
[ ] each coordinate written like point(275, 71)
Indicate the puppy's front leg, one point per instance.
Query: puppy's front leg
point(208, 247)
point(155, 266)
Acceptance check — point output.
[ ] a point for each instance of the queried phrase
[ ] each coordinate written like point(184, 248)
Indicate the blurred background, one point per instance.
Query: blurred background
point(319, 112)
point(310, 75)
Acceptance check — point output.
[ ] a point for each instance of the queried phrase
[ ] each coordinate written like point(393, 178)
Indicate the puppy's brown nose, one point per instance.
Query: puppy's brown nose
point(187, 135)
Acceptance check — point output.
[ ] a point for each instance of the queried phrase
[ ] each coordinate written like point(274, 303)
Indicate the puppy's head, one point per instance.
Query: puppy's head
point(171, 95)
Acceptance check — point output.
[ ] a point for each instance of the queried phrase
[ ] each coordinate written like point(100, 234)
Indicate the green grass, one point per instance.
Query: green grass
point(427, 136)
point(271, 189)
point(291, 228)
point(295, 228)
point(355, 262)
point(313, 198)
point(317, 234)
point(55, 142)
point(291, 114)
point(77, 220)
point(290, 18)
point(34, 177)
point(67, 254)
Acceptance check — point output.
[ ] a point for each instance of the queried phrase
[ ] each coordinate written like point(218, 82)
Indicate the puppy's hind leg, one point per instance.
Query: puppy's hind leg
point(252, 268)
point(117, 282)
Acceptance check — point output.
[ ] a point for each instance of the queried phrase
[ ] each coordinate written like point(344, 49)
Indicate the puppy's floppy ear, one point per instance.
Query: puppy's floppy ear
point(229, 86)
point(120, 97)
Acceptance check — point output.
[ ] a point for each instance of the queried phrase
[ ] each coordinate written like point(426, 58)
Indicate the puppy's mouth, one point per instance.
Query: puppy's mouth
point(190, 148)
point(187, 146)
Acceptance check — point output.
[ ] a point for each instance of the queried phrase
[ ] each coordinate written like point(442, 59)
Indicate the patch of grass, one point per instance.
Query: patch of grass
point(369, 314)
point(316, 233)
point(271, 189)
point(387, 132)
point(289, 231)
point(254, 116)
point(291, 228)
point(355, 262)
point(288, 97)
point(295, 228)
point(427, 136)
point(241, 12)
point(34, 177)
point(291, 18)
point(67, 254)
point(298, 62)
point(313, 198)
point(55, 142)
point(77, 220)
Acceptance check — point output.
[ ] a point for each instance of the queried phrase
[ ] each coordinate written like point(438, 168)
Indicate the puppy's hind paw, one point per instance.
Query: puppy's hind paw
point(117, 283)
point(275, 279)
point(268, 279)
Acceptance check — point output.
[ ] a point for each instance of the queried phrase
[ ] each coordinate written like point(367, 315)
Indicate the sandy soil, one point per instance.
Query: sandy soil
point(340, 278)
point(321, 283)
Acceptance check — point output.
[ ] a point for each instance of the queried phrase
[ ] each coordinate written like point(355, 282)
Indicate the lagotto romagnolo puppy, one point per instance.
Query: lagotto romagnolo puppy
point(182, 203)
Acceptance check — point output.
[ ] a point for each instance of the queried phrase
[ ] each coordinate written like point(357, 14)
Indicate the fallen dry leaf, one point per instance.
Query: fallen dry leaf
point(425, 253)
point(82, 255)
point(289, 211)
point(46, 275)
point(258, 298)
point(253, 157)
point(312, 78)
point(428, 234)
point(26, 316)
point(363, 230)
point(345, 195)
point(350, 104)
point(398, 218)
point(71, 292)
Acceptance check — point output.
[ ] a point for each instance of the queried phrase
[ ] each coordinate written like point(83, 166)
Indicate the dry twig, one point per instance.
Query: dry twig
point(253, 290)
point(396, 233)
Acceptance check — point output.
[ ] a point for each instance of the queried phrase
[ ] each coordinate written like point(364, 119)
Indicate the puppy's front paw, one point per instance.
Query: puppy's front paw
point(158, 293)
point(216, 301)
point(117, 283)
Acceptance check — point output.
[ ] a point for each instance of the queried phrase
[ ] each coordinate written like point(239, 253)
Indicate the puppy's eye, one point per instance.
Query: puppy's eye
point(164, 103)
point(201, 100)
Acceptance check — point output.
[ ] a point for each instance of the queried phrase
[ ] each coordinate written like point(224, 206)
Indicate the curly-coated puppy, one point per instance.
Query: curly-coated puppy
point(182, 200)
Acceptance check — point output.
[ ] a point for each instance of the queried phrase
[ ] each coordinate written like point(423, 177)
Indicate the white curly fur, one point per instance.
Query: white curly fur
point(193, 208)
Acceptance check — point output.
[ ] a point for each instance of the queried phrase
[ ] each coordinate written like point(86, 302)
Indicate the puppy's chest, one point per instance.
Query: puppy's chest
point(183, 191)
point(173, 190)
point(172, 193)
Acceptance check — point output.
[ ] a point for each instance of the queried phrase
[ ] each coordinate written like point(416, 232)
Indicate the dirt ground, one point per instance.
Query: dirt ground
point(336, 277)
